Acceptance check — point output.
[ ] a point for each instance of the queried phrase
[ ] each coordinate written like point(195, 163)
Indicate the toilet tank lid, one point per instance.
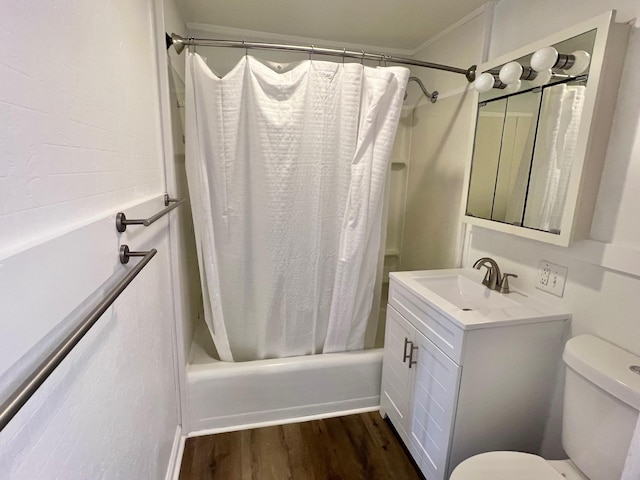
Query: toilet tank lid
point(605, 365)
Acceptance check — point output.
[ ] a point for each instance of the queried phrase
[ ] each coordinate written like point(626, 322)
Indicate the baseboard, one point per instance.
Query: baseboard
point(307, 418)
point(173, 469)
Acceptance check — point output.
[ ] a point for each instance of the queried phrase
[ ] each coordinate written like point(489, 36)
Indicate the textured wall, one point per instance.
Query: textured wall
point(80, 139)
point(78, 114)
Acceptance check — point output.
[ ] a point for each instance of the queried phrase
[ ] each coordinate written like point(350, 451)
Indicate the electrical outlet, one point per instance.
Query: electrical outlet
point(551, 278)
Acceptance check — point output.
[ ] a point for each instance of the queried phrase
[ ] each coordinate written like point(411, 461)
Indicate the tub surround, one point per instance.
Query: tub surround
point(225, 396)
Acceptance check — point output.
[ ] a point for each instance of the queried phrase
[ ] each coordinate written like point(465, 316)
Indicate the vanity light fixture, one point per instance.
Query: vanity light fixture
point(573, 63)
point(542, 78)
point(513, 87)
point(486, 81)
point(512, 72)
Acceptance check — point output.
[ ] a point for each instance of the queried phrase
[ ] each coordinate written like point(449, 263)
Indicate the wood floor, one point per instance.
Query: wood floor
point(353, 447)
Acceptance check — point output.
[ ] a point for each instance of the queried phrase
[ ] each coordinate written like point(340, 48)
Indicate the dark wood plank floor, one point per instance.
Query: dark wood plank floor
point(353, 447)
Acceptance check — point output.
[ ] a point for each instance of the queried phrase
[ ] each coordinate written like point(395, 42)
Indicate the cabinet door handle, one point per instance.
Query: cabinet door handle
point(406, 356)
point(411, 360)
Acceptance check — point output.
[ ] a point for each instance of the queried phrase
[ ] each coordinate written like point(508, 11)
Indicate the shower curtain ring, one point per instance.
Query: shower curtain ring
point(312, 51)
point(362, 59)
point(344, 54)
point(246, 50)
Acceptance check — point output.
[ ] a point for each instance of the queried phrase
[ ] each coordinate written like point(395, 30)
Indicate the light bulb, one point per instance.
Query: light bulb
point(542, 78)
point(544, 59)
point(510, 72)
point(580, 63)
point(513, 87)
point(484, 82)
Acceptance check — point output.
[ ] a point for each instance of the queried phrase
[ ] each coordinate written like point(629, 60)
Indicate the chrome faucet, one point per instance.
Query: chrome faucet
point(493, 279)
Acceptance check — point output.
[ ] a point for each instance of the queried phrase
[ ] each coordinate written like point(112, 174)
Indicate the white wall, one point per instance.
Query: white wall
point(80, 139)
point(186, 280)
point(439, 151)
point(603, 273)
point(617, 219)
point(603, 282)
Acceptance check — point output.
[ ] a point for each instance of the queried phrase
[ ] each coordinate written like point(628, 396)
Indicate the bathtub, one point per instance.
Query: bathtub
point(224, 396)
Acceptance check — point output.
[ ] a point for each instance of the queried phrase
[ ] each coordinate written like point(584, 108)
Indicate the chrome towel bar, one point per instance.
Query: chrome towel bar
point(16, 400)
point(170, 203)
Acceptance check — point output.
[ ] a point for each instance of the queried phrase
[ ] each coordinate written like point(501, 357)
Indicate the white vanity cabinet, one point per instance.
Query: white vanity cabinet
point(419, 390)
point(453, 389)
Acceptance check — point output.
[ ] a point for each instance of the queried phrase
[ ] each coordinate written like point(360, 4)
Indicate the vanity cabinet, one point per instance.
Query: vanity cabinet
point(420, 385)
point(452, 392)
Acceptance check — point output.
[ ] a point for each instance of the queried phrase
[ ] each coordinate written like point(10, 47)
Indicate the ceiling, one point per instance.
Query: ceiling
point(396, 24)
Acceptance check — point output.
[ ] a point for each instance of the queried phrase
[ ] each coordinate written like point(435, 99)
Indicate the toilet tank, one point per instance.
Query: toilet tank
point(601, 405)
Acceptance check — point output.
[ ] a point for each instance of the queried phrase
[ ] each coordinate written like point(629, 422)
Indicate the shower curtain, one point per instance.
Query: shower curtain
point(549, 170)
point(286, 174)
point(560, 115)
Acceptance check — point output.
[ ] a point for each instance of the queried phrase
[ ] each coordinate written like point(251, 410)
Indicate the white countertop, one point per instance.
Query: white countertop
point(524, 308)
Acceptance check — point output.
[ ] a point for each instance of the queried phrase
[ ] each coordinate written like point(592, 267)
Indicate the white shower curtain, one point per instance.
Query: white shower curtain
point(286, 175)
point(560, 115)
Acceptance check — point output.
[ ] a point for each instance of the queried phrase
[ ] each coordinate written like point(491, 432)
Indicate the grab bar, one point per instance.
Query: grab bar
point(122, 221)
point(12, 405)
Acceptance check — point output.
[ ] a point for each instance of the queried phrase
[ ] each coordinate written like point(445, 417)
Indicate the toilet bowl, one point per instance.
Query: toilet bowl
point(515, 466)
point(601, 405)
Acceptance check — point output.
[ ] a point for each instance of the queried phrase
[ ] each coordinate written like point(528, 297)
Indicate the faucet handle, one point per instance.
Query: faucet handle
point(487, 275)
point(504, 285)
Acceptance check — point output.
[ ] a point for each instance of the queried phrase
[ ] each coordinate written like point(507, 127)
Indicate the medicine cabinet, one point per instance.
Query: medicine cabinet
point(539, 144)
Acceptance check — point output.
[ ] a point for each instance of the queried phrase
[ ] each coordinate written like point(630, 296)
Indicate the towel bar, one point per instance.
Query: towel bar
point(170, 203)
point(16, 400)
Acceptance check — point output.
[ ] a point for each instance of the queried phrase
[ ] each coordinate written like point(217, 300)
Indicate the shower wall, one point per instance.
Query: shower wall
point(188, 295)
point(429, 157)
point(432, 235)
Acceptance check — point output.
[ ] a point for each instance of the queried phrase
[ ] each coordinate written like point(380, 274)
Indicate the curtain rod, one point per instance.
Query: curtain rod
point(179, 43)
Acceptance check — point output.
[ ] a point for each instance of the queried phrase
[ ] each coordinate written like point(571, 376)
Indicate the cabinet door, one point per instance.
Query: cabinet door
point(396, 374)
point(435, 394)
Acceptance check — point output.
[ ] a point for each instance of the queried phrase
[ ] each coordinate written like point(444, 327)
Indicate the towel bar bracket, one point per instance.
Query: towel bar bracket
point(126, 254)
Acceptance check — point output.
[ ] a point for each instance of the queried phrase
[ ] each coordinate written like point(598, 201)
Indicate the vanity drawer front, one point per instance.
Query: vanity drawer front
point(432, 324)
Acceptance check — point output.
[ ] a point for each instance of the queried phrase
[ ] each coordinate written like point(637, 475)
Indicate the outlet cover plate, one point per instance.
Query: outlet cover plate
point(551, 278)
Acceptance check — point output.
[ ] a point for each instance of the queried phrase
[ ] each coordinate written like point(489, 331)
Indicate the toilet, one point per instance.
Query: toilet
point(601, 405)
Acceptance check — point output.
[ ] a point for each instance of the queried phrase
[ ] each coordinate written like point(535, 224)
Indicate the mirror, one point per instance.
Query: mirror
point(534, 151)
point(524, 147)
point(505, 132)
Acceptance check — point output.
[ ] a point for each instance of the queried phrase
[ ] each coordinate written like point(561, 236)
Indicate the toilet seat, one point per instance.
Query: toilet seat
point(505, 466)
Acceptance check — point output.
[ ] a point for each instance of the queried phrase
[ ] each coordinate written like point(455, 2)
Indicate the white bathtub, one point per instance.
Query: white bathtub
point(225, 396)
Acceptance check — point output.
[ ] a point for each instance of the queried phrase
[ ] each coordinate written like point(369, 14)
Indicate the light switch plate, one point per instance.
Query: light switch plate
point(551, 278)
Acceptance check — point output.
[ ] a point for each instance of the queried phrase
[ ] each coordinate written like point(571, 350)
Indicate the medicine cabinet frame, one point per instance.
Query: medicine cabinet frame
point(600, 95)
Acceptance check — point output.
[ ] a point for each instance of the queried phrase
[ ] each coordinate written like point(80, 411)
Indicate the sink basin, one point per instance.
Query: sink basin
point(458, 295)
point(465, 293)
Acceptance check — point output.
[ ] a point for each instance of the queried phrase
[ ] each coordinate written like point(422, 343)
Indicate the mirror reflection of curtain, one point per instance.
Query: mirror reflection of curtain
point(516, 149)
point(515, 205)
point(555, 147)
